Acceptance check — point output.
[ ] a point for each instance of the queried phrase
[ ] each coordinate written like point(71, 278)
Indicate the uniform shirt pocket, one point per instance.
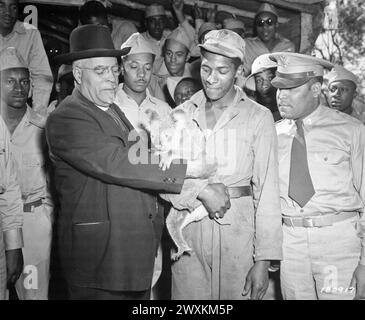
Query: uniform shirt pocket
point(330, 156)
point(33, 177)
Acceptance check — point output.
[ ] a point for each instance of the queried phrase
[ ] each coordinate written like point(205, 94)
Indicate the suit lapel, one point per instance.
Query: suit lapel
point(122, 117)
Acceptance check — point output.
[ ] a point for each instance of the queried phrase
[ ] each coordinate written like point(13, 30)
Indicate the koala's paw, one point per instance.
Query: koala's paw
point(176, 256)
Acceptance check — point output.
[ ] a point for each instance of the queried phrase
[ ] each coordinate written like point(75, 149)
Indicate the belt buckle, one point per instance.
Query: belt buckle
point(308, 222)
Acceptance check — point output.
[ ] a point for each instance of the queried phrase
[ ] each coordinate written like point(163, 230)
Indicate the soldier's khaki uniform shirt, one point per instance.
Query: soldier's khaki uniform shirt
point(11, 207)
point(336, 159)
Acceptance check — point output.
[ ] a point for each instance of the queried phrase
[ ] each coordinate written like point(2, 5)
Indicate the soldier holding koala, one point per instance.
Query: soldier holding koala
point(232, 250)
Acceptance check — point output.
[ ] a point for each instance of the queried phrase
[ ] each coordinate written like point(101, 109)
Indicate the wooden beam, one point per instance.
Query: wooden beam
point(55, 2)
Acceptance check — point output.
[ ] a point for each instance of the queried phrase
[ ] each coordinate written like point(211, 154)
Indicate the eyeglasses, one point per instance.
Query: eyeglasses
point(102, 71)
point(262, 22)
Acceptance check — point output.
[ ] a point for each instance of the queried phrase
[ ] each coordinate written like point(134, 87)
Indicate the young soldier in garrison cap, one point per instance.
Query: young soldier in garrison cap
point(28, 147)
point(322, 187)
point(11, 213)
point(133, 96)
point(231, 250)
point(268, 39)
point(176, 53)
point(156, 34)
point(342, 85)
point(259, 83)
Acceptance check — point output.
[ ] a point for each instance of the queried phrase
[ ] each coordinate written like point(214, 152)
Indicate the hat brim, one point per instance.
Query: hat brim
point(284, 83)
point(67, 58)
point(222, 50)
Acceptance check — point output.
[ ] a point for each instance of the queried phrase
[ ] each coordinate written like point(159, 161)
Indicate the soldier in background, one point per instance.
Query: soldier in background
point(342, 85)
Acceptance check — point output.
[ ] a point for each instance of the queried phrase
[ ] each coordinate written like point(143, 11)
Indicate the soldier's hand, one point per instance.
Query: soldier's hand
point(257, 280)
point(215, 199)
point(212, 13)
point(14, 265)
point(197, 12)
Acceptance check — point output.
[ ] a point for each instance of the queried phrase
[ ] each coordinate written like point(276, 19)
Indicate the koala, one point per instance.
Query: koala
point(178, 137)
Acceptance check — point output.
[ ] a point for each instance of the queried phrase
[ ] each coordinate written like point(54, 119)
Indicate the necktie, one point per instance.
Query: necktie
point(301, 187)
point(116, 117)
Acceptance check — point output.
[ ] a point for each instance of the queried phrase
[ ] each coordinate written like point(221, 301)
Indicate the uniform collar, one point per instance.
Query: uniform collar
point(309, 120)
point(313, 117)
point(124, 95)
point(199, 100)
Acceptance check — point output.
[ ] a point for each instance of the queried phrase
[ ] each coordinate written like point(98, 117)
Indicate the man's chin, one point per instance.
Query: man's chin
point(336, 107)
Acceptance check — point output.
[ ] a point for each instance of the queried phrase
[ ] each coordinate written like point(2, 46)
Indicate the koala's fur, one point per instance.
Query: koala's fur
point(169, 135)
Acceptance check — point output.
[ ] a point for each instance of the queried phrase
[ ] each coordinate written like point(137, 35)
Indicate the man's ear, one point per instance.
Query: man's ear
point(240, 71)
point(188, 57)
point(316, 89)
point(77, 72)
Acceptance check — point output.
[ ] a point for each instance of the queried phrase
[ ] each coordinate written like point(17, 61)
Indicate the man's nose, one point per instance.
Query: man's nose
point(212, 77)
point(111, 76)
point(141, 74)
point(281, 94)
point(18, 86)
point(173, 58)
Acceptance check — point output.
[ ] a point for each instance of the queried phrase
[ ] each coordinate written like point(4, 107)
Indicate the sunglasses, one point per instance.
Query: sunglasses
point(262, 22)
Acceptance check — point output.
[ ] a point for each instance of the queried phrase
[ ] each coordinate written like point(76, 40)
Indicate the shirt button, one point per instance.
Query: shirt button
point(325, 158)
point(150, 216)
point(301, 210)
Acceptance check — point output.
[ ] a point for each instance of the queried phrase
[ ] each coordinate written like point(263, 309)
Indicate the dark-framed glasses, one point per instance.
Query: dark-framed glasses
point(262, 22)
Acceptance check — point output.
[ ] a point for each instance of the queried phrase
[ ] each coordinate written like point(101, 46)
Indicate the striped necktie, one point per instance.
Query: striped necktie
point(113, 113)
point(301, 188)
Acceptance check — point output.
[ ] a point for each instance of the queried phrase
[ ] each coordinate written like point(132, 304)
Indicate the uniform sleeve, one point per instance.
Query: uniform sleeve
point(10, 199)
point(358, 173)
point(187, 198)
point(122, 30)
point(41, 74)
point(192, 34)
point(265, 181)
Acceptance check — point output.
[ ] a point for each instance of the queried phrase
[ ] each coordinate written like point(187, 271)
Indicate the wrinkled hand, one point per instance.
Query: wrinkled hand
point(257, 280)
point(358, 282)
point(14, 265)
point(197, 12)
point(215, 199)
point(212, 13)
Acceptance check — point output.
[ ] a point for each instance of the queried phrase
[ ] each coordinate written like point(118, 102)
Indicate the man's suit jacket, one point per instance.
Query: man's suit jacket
point(109, 222)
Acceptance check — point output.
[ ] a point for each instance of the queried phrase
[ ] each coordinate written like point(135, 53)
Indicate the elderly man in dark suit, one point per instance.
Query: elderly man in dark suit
point(109, 222)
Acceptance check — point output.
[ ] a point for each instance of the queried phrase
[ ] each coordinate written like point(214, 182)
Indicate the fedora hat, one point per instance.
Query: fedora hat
point(90, 41)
